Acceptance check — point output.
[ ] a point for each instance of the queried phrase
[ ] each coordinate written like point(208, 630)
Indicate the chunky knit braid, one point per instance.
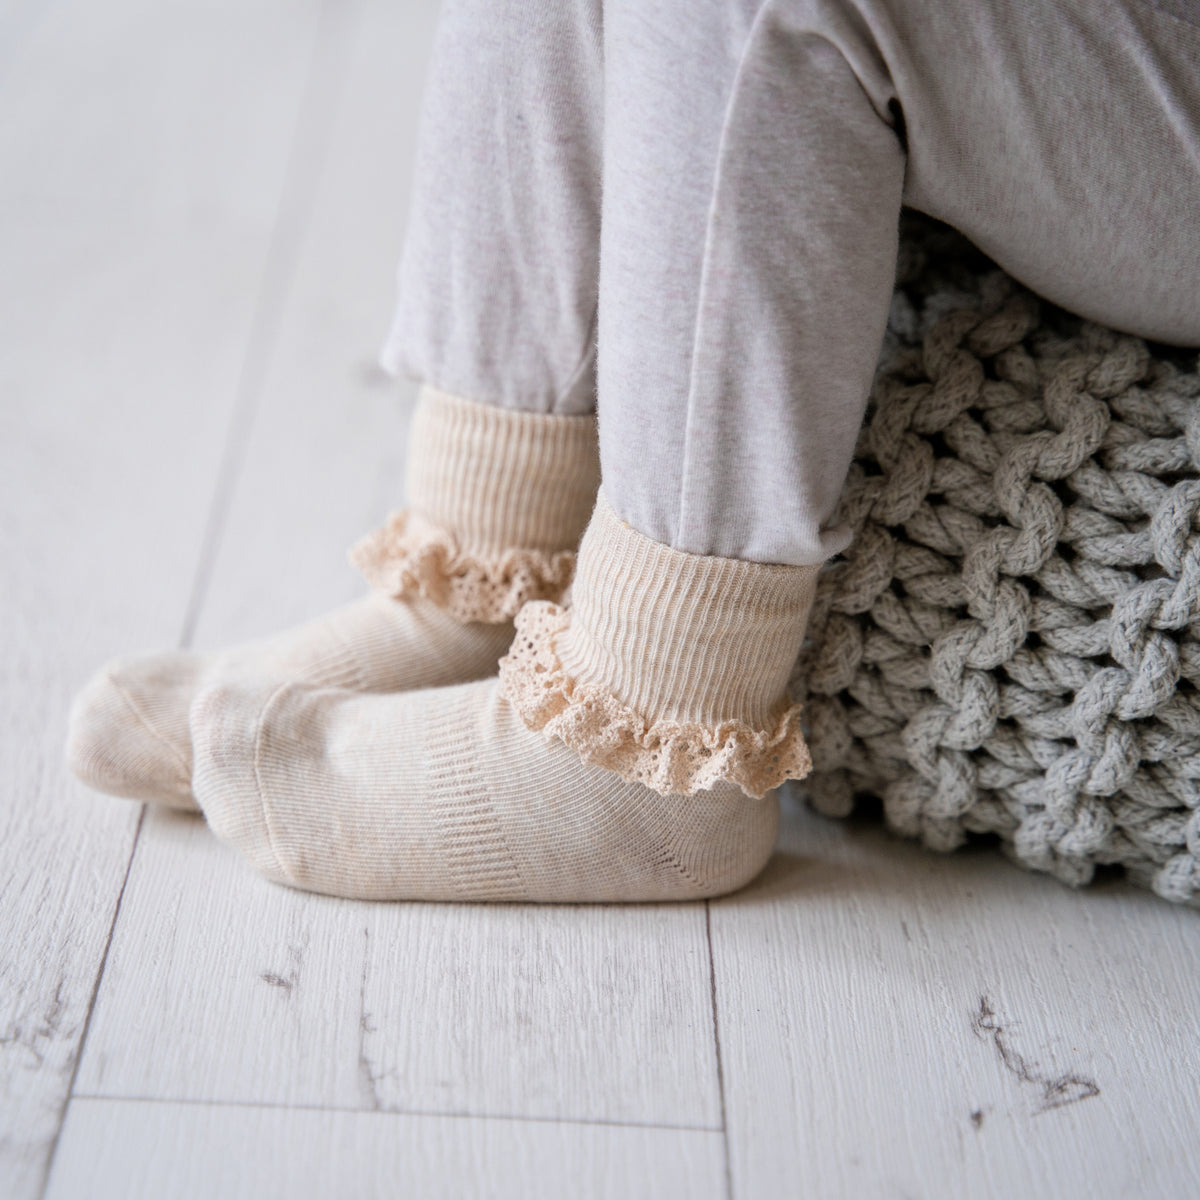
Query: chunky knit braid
point(1012, 643)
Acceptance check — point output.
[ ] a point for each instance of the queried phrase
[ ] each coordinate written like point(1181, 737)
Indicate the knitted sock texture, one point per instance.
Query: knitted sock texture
point(128, 729)
point(670, 668)
point(498, 502)
point(626, 753)
point(447, 795)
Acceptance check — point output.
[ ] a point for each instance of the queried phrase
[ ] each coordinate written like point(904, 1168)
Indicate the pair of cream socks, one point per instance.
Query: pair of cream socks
point(497, 503)
point(627, 750)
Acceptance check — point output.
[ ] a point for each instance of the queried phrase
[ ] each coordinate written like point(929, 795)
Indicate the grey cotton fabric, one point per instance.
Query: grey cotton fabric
point(685, 214)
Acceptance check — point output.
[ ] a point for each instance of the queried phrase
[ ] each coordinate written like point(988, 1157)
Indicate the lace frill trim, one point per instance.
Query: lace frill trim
point(666, 756)
point(412, 557)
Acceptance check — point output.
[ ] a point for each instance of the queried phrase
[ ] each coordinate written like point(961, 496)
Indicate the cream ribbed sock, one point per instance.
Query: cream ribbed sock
point(627, 752)
point(497, 501)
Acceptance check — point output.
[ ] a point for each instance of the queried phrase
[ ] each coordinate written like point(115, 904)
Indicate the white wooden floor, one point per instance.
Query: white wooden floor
point(200, 205)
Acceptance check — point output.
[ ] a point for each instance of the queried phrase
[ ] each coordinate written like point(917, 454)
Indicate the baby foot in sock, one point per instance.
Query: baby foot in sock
point(497, 502)
point(129, 731)
point(447, 795)
point(627, 751)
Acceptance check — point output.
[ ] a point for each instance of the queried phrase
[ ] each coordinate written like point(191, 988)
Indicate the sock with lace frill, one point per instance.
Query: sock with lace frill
point(497, 503)
point(628, 750)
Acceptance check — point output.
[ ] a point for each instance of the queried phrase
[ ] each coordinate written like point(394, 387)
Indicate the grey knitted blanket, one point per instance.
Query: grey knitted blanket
point(1011, 646)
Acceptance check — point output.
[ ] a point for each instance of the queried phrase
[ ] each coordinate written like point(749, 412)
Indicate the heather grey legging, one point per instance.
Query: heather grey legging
point(684, 212)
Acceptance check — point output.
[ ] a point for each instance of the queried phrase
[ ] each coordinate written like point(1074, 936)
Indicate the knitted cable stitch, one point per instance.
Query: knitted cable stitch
point(1012, 643)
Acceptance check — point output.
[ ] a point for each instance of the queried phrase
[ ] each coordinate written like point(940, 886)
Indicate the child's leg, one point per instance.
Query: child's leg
point(497, 305)
point(748, 257)
point(753, 177)
point(497, 296)
point(630, 748)
point(742, 307)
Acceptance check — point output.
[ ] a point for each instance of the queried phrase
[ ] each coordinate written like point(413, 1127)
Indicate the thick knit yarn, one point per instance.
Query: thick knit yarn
point(1011, 646)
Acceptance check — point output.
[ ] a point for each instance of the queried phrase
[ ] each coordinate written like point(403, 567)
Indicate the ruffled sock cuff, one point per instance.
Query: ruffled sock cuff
point(497, 503)
point(671, 669)
point(411, 557)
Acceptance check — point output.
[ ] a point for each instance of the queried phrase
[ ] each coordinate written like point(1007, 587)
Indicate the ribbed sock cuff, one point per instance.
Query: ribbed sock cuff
point(497, 502)
point(683, 637)
point(499, 479)
point(670, 669)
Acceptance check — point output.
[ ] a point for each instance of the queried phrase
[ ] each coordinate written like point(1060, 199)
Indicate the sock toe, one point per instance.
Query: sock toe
point(127, 731)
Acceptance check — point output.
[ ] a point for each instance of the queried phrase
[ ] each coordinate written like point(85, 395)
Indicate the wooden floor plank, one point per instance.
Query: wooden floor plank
point(137, 203)
point(137, 1151)
point(221, 986)
point(580, 1012)
point(898, 1023)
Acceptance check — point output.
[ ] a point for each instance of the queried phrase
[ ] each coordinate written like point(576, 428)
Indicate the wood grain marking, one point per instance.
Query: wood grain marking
point(1055, 1092)
point(368, 1075)
point(286, 982)
point(26, 1039)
